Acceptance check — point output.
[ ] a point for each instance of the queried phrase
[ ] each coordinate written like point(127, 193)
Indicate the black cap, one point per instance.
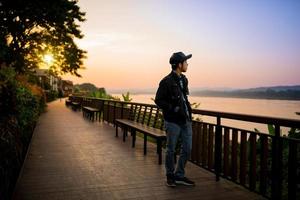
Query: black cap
point(179, 57)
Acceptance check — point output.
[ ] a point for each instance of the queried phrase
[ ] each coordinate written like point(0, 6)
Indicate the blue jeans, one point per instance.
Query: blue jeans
point(174, 131)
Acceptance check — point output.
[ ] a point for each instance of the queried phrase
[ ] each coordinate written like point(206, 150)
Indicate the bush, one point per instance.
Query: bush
point(51, 95)
point(20, 105)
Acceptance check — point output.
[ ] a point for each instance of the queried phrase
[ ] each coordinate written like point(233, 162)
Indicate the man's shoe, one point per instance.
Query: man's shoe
point(184, 181)
point(170, 182)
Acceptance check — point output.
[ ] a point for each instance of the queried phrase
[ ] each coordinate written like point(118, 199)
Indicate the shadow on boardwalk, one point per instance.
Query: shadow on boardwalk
point(72, 158)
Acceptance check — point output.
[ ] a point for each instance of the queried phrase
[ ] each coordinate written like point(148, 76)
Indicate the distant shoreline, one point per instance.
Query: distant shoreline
point(269, 93)
point(225, 96)
point(251, 97)
point(290, 93)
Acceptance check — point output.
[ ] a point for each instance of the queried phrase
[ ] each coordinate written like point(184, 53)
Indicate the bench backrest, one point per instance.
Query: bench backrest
point(93, 103)
point(146, 114)
point(76, 99)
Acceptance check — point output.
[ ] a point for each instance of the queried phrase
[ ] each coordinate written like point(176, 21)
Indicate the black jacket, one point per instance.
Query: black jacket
point(169, 96)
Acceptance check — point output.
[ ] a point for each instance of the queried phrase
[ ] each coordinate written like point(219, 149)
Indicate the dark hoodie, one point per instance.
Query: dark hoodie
point(172, 98)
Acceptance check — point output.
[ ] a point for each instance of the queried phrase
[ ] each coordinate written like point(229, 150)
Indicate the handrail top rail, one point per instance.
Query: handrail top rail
point(251, 118)
point(227, 115)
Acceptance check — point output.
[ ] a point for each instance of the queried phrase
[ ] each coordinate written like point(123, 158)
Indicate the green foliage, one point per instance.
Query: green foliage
point(8, 85)
point(196, 106)
point(76, 89)
point(51, 95)
point(126, 97)
point(116, 98)
point(32, 28)
point(102, 90)
point(46, 85)
point(27, 107)
point(20, 106)
point(292, 133)
point(90, 90)
point(87, 87)
point(271, 129)
point(101, 93)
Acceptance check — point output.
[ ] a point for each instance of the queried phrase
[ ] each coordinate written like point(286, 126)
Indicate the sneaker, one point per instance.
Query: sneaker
point(170, 182)
point(184, 181)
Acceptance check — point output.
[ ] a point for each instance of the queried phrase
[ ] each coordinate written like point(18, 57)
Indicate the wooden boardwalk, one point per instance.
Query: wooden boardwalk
point(73, 158)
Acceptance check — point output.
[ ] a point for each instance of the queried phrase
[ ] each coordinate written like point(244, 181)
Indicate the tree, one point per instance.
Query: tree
point(87, 87)
point(31, 29)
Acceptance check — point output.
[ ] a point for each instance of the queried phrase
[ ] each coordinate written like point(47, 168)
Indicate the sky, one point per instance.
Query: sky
point(234, 43)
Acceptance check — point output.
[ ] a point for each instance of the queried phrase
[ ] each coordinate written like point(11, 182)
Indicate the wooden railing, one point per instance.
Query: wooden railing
point(263, 163)
point(254, 160)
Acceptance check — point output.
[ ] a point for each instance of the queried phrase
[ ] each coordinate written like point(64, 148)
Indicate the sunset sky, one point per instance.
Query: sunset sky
point(235, 43)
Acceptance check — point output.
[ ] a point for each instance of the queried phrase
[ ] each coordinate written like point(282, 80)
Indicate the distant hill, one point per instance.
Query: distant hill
point(86, 87)
point(277, 92)
point(132, 90)
point(275, 88)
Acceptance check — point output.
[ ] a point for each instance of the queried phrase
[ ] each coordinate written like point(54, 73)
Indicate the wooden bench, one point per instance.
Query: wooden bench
point(68, 102)
point(90, 112)
point(90, 109)
point(75, 105)
point(76, 102)
point(137, 123)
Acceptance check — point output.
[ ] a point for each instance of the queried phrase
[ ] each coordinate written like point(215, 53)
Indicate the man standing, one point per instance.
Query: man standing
point(171, 97)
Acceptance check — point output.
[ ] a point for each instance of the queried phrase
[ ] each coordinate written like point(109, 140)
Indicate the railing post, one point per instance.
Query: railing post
point(292, 170)
point(122, 107)
point(103, 104)
point(263, 164)
point(115, 107)
point(276, 191)
point(218, 149)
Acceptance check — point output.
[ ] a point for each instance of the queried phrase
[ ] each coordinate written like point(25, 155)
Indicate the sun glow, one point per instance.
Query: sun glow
point(48, 59)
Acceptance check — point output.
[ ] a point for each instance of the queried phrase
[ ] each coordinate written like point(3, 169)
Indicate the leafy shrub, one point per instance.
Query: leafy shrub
point(51, 95)
point(20, 105)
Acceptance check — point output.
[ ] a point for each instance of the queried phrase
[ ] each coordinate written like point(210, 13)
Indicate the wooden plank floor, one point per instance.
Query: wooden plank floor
point(73, 158)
